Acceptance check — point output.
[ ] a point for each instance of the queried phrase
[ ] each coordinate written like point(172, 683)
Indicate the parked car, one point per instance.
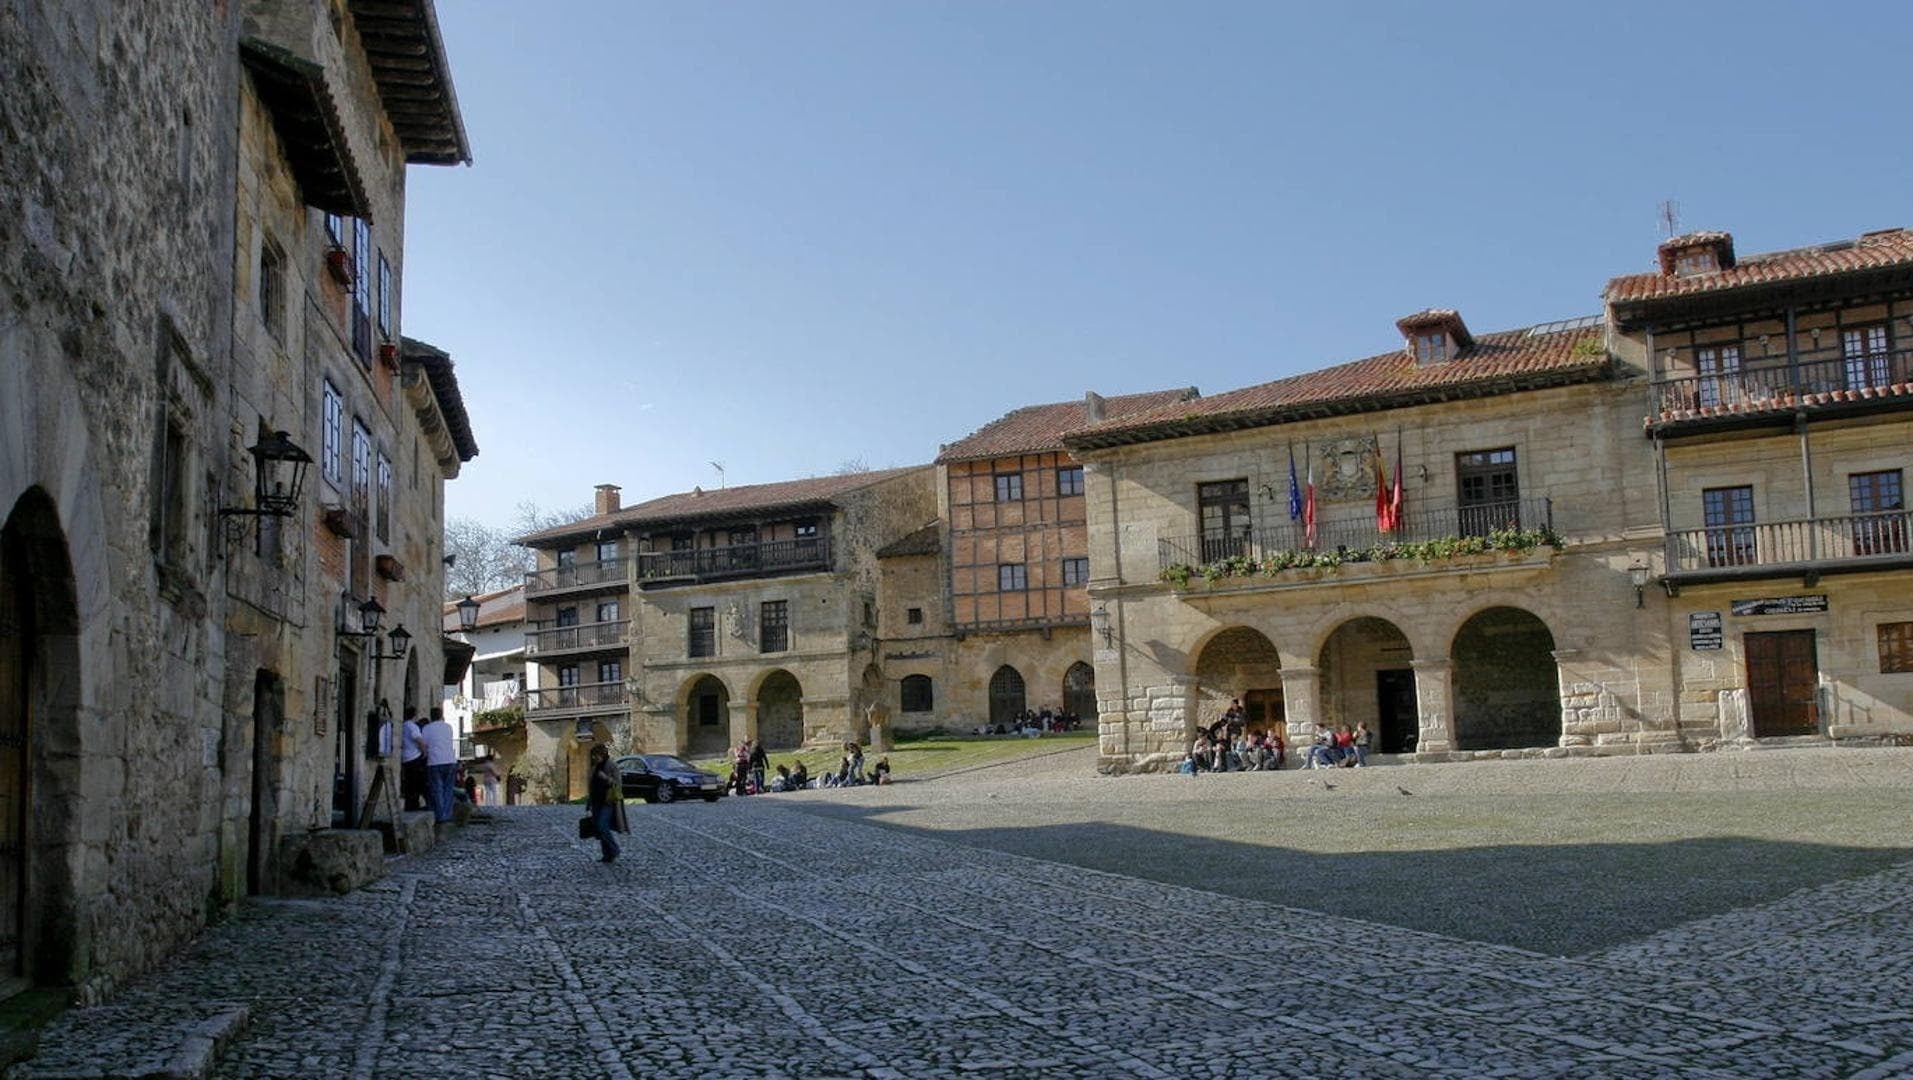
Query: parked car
point(665, 778)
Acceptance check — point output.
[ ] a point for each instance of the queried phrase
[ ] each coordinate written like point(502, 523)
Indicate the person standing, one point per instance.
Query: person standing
point(441, 761)
point(604, 801)
point(411, 760)
point(760, 762)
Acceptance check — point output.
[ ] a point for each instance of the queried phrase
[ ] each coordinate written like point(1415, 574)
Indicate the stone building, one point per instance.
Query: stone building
point(168, 676)
point(692, 621)
point(1780, 414)
point(986, 613)
point(486, 706)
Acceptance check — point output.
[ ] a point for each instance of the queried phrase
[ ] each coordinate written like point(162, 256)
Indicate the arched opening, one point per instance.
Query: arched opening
point(707, 717)
point(1239, 663)
point(1079, 692)
point(780, 712)
point(39, 707)
point(919, 694)
point(1507, 686)
point(1368, 678)
point(1006, 696)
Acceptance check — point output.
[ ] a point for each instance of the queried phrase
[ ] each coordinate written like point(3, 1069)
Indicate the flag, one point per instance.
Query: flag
point(1308, 505)
point(1395, 496)
point(1382, 524)
point(1295, 490)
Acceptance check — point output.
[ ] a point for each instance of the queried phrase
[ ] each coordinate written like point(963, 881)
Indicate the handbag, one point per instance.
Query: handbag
point(587, 828)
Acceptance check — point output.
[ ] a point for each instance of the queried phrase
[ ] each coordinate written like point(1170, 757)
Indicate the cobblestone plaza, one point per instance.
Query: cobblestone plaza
point(776, 936)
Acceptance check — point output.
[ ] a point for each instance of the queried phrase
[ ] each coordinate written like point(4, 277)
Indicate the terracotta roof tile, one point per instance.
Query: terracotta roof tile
point(1889, 247)
point(925, 541)
point(498, 606)
point(1545, 355)
point(1036, 429)
point(698, 503)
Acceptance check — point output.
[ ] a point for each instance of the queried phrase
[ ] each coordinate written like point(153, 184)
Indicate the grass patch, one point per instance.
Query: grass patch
point(920, 757)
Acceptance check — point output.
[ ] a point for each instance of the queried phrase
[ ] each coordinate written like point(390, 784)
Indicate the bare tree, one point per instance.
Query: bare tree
point(852, 466)
point(484, 559)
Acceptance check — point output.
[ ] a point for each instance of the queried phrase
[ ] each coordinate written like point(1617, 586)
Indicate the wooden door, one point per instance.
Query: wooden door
point(1398, 718)
point(1006, 696)
point(1783, 678)
point(1262, 711)
point(16, 658)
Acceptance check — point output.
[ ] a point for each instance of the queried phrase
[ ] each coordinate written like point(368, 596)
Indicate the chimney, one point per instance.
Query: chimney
point(1096, 406)
point(607, 501)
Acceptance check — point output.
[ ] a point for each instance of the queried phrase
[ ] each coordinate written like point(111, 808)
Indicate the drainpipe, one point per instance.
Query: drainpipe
point(1122, 634)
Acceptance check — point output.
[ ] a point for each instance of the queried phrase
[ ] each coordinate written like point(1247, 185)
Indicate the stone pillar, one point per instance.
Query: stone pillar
point(743, 721)
point(1435, 701)
point(1301, 703)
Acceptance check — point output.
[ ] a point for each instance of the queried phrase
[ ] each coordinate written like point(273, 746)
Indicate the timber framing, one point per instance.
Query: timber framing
point(407, 56)
point(306, 117)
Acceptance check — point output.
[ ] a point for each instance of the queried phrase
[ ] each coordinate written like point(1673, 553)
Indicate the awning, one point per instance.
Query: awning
point(458, 658)
point(295, 92)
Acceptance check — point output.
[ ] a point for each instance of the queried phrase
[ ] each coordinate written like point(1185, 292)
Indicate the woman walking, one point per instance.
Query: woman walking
point(605, 801)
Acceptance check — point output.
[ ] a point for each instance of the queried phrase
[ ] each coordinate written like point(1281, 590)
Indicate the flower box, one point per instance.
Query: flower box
point(338, 263)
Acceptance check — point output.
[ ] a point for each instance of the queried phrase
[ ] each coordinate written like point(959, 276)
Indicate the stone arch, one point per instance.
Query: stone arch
point(1507, 687)
point(40, 664)
point(1079, 692)
point(1237, 662)
point(704, 715)
point(780, 711)
point(1368, 677)
point(1007, 700)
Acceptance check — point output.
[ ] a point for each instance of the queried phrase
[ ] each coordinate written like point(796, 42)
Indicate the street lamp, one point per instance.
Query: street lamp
point(467, 614)
point(278, 473)
point(1637, 574)
point(1099, 622)
point(400, 641)
point(369, 614)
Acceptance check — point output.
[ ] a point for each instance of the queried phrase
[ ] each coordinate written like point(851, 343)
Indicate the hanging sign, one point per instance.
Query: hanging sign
point(1780, 605)
point(1703, 631)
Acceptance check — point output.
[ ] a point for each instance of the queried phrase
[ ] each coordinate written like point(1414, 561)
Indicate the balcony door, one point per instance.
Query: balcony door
point(1487, 491)
point(1865, 352)
point(1224, 510)
point(1728, 514)
point(1783, 677)
point(1879, 512)
point(1712, 362)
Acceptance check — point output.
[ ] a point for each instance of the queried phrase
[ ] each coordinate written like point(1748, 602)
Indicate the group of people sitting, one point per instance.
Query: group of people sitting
point(749, 763)
point(1224, 746)
point(1031, 724)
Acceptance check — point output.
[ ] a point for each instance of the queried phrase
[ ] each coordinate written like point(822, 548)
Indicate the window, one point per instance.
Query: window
point(383, 514)
point(170, 508)
point(607, 550)
point(918, 693)
point(1488, 491)
point(1896, 647)
point(913, 616)
point(331, 435)
point(1865, 351)
point(272, 290)
point(1012, 577)
point(608, 611)
point(1713, 361)
point(1069, 480)
point(1223, 508)
point(741, 537)
point(567, 616)
point(1728, 514)
point(773, 626)
point(1431, 348)
point(1702, 261)
point(335, 230)
point(568, 675)
point(1076, 570)
point(567, 557)
point(1879, 518)
point(361, 467)
point(385, 298)
point(806, 530)
point(1009, 487)
point(610, 671)
point(361, 291)
point(703, 631)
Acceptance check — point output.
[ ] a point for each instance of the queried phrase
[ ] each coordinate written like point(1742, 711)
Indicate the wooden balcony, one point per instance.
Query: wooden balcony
point(1766, 391)
point(1429, 521)
point(554, 702)
point(609, 574)
point(587, 637)
point(765, 559)
point(1807, 548)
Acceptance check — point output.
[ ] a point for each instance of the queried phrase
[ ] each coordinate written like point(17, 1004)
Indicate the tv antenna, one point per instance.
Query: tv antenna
point(719, 466)
point(1670, 217)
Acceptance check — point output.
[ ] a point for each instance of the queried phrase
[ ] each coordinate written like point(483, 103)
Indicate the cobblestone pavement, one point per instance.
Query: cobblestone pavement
point(750, 939)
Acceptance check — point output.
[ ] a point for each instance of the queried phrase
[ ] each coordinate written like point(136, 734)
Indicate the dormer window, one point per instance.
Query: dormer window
point(1434, 336)
point(1702, 261)
point(1431, 348)
point(1697, 253)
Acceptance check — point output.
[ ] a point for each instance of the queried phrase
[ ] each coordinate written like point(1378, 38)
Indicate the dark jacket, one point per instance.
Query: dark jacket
point(604, 781)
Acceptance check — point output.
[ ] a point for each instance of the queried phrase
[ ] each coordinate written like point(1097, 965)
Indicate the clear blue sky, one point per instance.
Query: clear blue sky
point(785, 235)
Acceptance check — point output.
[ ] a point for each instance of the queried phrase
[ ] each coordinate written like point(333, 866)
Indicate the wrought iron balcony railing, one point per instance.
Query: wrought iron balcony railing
point(1847, 540)
point(562, 699)
point(596, 635)
point(736, 560)
point(555, 578)
point(1420, 523)
point(1810, 380)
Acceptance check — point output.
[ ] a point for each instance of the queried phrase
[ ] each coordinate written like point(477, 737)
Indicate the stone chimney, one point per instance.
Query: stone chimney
point(607, 501)
point(1094, 404)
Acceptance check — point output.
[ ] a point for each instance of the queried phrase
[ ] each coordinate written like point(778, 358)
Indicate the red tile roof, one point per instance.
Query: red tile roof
point(925, 541)
point(724, 502)
point(1875, 250)
point(500, 606)
point(1036, 429)
point(1551, 354)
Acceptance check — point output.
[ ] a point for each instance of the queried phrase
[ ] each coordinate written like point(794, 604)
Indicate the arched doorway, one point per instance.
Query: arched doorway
point(1006, 696)
point(780, 711)
point(1239, 662)
point(39, 693)
point(1368, 678)
point(1079, 692)
point(707, 717)
point(1507, 686)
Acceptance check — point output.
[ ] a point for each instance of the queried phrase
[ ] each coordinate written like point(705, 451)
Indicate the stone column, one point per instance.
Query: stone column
point(1435, 701)
point(743, 721)
point(1301, 703)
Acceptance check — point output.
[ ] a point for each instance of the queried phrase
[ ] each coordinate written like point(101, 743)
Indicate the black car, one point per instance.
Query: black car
point(664, 778)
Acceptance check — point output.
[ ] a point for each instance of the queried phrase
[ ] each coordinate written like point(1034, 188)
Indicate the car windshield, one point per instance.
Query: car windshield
point(665, 762)
point(631, 764)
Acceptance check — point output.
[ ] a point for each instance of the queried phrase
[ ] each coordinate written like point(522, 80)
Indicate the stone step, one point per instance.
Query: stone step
point(176, 1041)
